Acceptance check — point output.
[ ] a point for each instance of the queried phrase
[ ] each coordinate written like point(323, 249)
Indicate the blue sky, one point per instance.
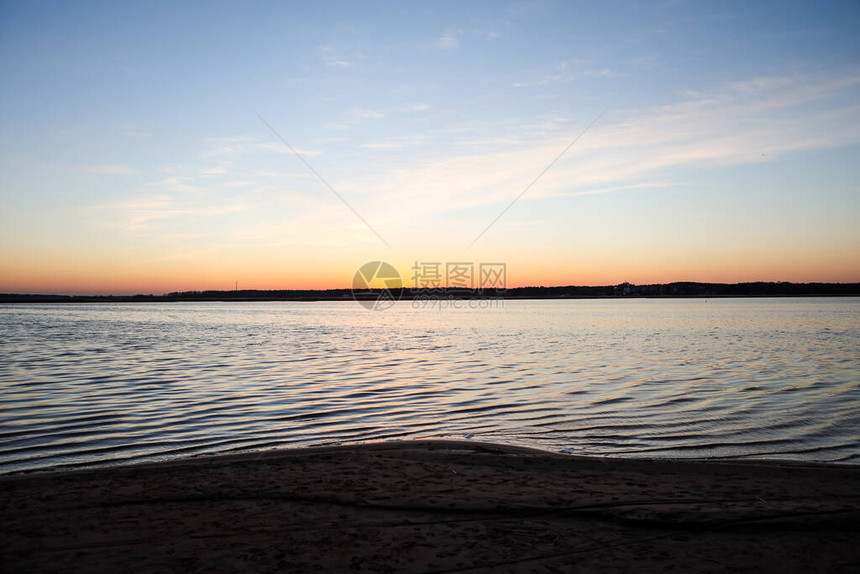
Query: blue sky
point(133, 160)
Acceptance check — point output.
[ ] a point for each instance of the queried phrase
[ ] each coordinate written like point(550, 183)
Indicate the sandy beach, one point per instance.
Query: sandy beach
point(432, 506)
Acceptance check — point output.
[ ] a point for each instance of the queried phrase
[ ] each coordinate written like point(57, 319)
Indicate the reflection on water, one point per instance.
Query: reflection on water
point(100, 383)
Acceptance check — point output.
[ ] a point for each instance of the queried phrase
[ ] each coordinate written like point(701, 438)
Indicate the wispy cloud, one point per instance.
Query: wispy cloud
point(244, 146)
point(395, 143)
point(132, 131)
point(462, 167)
point(326, 225)
point(332, 57)
point(382, 145)
point(570, 71)
point(447, 41)
point(138, 213)
point(177, 183)
point(417, 107)
point(365, 114)
point(743, 122)
point(451, 39)
point(113, 169)
point(214, 170)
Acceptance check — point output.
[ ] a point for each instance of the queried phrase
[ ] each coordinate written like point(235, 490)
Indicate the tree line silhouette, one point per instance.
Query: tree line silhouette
point(668, 290)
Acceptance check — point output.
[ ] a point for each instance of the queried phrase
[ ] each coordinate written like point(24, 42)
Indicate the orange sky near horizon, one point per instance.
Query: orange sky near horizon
point(52, 274)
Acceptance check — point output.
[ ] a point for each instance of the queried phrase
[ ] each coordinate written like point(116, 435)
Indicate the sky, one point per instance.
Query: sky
point(151, 147)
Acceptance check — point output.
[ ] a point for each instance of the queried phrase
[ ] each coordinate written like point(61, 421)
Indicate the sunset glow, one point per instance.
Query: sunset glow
point(133, 158)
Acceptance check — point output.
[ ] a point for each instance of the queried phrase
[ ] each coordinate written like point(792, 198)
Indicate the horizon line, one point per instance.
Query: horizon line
point(440, 288)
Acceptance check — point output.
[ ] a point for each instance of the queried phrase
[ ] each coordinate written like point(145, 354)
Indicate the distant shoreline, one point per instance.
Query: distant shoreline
point(677, 290)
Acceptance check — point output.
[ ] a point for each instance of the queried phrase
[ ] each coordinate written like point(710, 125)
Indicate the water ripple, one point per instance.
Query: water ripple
point(103, 384)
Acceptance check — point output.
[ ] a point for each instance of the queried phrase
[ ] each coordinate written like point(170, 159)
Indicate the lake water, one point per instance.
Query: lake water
point(86, 384)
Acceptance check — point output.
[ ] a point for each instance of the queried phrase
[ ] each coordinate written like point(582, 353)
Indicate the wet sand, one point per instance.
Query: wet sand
point(432, 506)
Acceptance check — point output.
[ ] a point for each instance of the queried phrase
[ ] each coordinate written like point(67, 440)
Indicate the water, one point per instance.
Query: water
point(732, 378)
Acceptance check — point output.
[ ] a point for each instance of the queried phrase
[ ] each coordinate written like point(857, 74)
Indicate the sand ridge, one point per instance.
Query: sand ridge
point(432, 506)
